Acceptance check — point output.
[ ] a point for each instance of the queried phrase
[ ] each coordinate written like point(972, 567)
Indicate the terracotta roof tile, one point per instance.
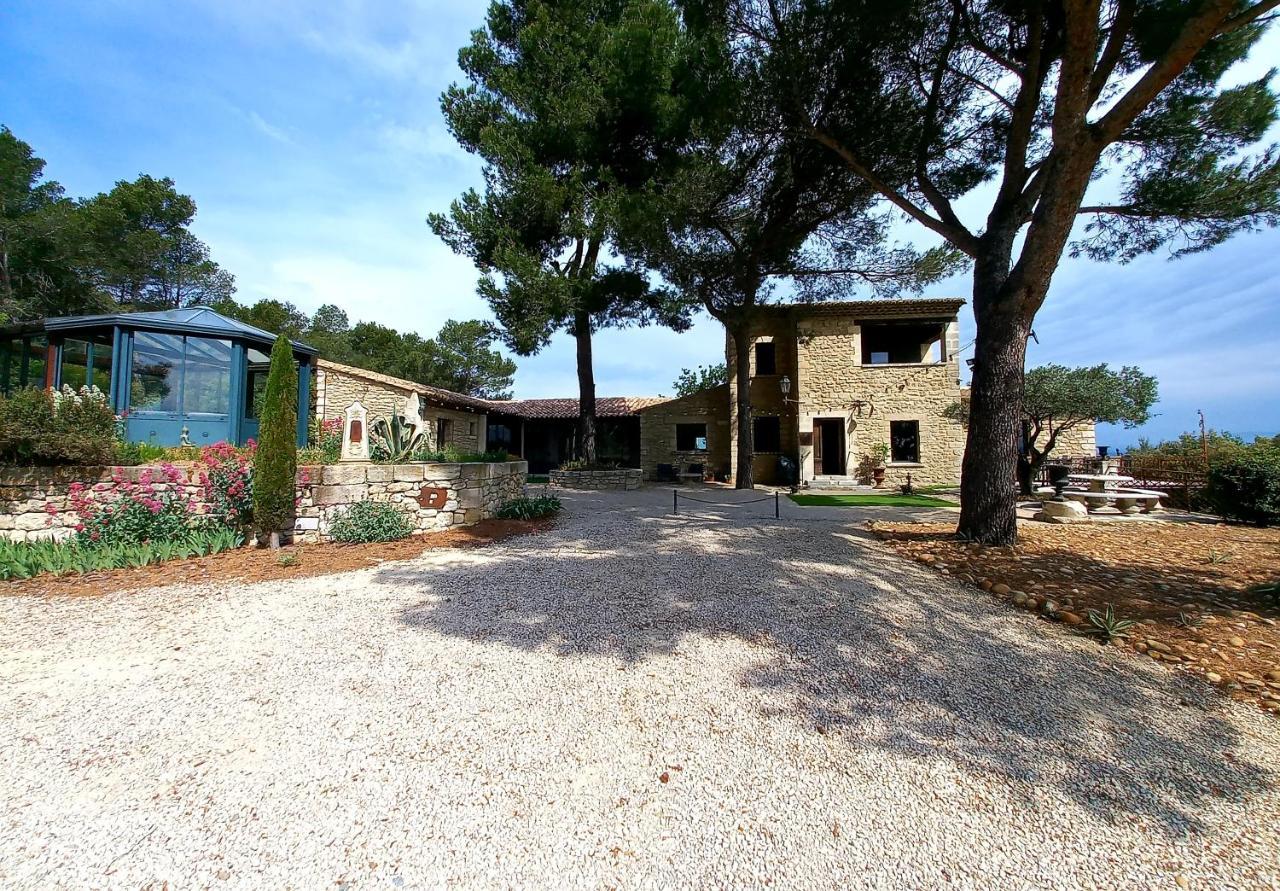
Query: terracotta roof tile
point(606, 407)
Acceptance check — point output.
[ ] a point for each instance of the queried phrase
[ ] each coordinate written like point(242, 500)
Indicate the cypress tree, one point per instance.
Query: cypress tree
point(275, 466)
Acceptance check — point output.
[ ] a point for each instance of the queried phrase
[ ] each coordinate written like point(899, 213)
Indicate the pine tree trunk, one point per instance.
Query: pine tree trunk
point(586, 389)
point(744, 472)
point(989, 478)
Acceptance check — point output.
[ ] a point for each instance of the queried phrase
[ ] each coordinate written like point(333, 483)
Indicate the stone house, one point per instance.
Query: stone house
point(452, 419)
point(829, 383)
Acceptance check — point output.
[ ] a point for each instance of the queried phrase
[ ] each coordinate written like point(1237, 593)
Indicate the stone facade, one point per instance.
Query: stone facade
point(621, 478)
point(1075, 442)
point(464, 494)
point(337, 386)
point(658, 443)
point(820, 349)
point(35, 503)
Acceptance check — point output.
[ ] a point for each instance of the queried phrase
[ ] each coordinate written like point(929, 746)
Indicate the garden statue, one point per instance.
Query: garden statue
point(413, 414)
point(355, 433)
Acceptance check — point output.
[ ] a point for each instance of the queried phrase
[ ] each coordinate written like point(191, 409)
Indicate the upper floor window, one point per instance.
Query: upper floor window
point(904, 441)
point(766, 357)
point(910, 343)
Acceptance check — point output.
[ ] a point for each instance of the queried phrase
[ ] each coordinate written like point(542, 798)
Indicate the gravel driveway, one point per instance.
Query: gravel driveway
point(629, 700)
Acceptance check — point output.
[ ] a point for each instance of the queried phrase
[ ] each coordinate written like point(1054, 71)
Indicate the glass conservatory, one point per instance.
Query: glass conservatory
point(185, 375)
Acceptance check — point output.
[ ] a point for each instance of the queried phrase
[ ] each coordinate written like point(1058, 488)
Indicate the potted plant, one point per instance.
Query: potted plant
point(879, 454)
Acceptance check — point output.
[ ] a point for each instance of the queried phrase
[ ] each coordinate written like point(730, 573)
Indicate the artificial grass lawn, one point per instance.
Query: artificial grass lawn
point(885, 500)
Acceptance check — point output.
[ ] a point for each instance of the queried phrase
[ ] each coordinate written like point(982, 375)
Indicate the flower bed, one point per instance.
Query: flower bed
point(38, 503)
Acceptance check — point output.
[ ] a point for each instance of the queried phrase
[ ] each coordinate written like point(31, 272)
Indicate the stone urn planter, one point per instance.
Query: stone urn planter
point(877, 476)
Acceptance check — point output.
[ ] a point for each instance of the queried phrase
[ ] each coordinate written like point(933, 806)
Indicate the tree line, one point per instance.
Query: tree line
point(461, 357)
point(132, 249)
point(130, 246)
point(647, 159)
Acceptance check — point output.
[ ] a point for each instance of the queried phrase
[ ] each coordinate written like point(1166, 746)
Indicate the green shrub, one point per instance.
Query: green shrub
point(526, 508)
point(1246, 488)
point(41, 427)
point(22, 560)
point(130, 454)
point(368, 521)
point(276, 463)
point(452, 455)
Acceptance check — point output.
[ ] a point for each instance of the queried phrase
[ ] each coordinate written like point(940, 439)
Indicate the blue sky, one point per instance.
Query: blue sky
point(311, 139)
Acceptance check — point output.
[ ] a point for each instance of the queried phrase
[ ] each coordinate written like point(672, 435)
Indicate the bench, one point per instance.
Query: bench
point(1127, 502)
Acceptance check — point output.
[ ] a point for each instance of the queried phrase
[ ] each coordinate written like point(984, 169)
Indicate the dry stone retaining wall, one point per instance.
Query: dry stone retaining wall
point(622, 478)
point(35, 501)
point(468, 493)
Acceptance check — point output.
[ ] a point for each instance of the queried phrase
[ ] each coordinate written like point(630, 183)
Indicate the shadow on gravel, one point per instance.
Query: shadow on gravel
point(869, 649)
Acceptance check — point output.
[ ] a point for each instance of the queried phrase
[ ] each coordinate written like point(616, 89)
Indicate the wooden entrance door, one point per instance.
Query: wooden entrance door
point(828, 447)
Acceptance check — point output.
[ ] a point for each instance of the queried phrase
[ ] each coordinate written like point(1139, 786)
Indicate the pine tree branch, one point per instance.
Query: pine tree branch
point(959, 236)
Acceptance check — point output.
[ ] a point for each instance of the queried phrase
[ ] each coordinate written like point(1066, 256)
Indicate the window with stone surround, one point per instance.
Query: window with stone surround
point(767, 433)
point(691, 437)
point(904, 442)
point(902, 343)
point(766, 357)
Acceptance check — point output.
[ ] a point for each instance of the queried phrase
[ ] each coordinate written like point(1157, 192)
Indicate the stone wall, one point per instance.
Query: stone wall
point(35, 503)
point(621, 478)
point(337, 386)
point(822, 354)
point(658, 432)
point(464, 493)
point(1076, 442)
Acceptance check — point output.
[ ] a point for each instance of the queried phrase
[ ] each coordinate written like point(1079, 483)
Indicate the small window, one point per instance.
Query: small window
point(767, 432)
point(444, 432)
point(766, 358)
point(471, 428)
point(691, 437)
point(904, 439)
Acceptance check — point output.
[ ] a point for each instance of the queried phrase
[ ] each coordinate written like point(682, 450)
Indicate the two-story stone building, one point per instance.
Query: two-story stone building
point(828, 382)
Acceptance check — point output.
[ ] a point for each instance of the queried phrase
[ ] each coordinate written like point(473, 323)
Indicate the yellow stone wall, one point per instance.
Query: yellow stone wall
point(339, 386)
point(822, 356)
point(658, 431)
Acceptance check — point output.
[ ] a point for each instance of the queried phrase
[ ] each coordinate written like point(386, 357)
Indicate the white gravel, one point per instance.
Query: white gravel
point(825, 715)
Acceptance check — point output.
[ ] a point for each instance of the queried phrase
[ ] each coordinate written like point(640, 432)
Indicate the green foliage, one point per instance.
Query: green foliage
point(1221, 446)
point(1247, 488)
point(42, 427)
point(131, 246)
point(1106, 626)
point(324, 442)
point(368, 521)
point(526, 508)
point(21, 560)
point(276, 462)
point(129, 454)
point(564, 104)
point(452, 455)
point(395, 440)
point(461, 357)
point(704, 377)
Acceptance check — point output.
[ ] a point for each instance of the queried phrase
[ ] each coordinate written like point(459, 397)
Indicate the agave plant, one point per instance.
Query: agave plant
point(396, 439)
point(1106, 625)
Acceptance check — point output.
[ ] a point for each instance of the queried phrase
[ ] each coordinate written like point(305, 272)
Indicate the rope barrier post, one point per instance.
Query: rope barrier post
point(775, 506)
point(675, 501)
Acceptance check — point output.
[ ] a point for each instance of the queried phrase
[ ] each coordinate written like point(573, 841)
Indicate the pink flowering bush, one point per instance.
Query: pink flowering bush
point(155, 508)
point(226, 479)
